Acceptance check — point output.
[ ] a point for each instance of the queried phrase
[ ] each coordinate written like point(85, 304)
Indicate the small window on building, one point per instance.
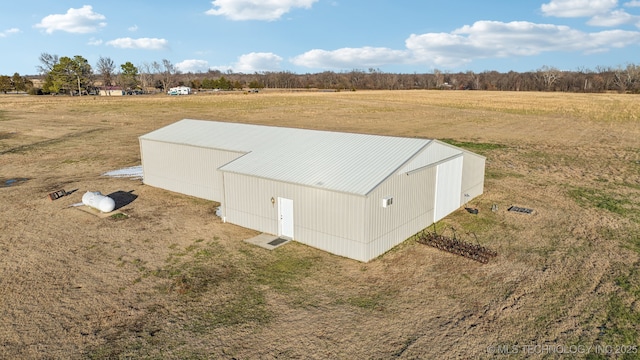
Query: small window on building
point(386, 202)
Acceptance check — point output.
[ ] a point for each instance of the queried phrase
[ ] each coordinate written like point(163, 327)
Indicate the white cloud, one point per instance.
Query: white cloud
point(193, 66)
point(481, 40)
point(614, 18)
point(494, 39)
point(578, 8)
point(602, 12)
point(141, 43)
point(269, 10)
point(133, 28)
point(95, 42)
point(8, 32)
point(257, 62)
point(81, 21)
point(350, 58)
point(605, 40)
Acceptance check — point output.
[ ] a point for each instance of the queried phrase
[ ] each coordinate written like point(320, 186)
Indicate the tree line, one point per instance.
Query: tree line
point(75, 76)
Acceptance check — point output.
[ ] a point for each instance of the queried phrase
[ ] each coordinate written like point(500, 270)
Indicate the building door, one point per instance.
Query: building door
point(448, 188)
point(285, 217)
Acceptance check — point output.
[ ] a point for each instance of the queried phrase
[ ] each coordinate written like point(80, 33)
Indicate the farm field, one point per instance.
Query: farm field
point(169, 280)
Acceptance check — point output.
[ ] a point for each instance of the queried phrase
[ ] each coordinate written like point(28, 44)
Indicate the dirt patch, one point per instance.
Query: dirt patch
point(6, 135)
point(12, 181)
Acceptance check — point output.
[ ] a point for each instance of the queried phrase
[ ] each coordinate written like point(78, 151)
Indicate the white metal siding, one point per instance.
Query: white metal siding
point(323, 219)
point(412, 209)
point(185, 169)
point(472, 177)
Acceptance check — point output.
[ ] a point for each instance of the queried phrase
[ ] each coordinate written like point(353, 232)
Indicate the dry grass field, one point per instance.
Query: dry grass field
point(170, 281)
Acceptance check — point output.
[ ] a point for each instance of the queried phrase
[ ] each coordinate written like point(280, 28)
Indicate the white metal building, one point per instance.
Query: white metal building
point(111, 91)
point(353, 195)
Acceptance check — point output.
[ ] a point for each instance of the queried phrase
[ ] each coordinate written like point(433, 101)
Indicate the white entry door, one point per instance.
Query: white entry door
point(448, 188)
point(285, 215)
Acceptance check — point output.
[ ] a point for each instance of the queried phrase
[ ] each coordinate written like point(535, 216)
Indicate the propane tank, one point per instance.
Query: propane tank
point(96, 200)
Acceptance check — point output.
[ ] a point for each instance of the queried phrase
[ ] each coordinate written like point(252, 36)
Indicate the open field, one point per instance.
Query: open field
point(170, 281)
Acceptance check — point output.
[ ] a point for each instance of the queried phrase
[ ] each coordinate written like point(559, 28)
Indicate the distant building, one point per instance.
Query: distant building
point(179, 90)
point(111, 91)
point(353, 195)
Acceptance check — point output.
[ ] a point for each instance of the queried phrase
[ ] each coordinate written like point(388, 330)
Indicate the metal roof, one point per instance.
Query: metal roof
point(435, 152)
point(346, 162)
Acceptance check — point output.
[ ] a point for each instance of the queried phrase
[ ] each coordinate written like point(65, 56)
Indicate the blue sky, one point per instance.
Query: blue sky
point(309, 36)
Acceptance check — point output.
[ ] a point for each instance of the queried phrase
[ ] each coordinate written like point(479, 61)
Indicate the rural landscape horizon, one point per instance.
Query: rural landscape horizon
point(75, 76)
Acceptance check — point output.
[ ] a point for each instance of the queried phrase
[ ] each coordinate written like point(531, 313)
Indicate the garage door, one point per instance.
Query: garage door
point(448, 188)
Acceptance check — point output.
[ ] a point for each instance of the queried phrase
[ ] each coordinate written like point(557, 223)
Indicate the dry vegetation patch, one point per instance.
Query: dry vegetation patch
point(169, 280)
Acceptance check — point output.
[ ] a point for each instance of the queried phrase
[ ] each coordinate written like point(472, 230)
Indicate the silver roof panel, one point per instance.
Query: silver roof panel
point(346, 162)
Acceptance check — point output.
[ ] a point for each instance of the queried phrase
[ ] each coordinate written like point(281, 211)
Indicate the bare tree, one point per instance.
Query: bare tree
point(632, 77)
point(47, 62)
point(106, 68)
point(145, 76)
point(439, 77)
point(166, 73)
point(355, 78)
point(549, 76)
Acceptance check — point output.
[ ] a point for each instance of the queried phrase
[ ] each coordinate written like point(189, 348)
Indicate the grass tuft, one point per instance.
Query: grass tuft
point(246, 304)
point(474, 146)
point(621, 327)
point(600, 199)
point(283, 273)
point(119, 216)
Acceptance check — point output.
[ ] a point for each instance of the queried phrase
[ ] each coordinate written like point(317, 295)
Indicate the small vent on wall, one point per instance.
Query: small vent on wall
point(386, 202)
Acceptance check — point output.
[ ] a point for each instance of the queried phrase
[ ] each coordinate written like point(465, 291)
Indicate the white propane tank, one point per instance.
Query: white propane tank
point(98, 201)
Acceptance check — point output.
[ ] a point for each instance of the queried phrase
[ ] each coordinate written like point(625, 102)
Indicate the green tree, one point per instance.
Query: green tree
point(59, 77)
point(129, 75)
point(47, 62)
point(208, 83)
point(256, 85)
point(196, 84)
point(19, 83)
point(5, 83)
point(224, 84)
point(70, 74)
point(82, 72)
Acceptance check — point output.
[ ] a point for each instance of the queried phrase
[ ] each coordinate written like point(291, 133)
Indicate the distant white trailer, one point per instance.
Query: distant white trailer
point(111, 91)
point(179, 90)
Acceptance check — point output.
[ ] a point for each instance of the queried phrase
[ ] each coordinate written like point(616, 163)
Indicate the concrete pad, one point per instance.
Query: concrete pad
point(267, 241)
point(97, 212)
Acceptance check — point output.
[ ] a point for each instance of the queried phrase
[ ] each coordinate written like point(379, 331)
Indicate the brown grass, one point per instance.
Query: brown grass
point(170, 280)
